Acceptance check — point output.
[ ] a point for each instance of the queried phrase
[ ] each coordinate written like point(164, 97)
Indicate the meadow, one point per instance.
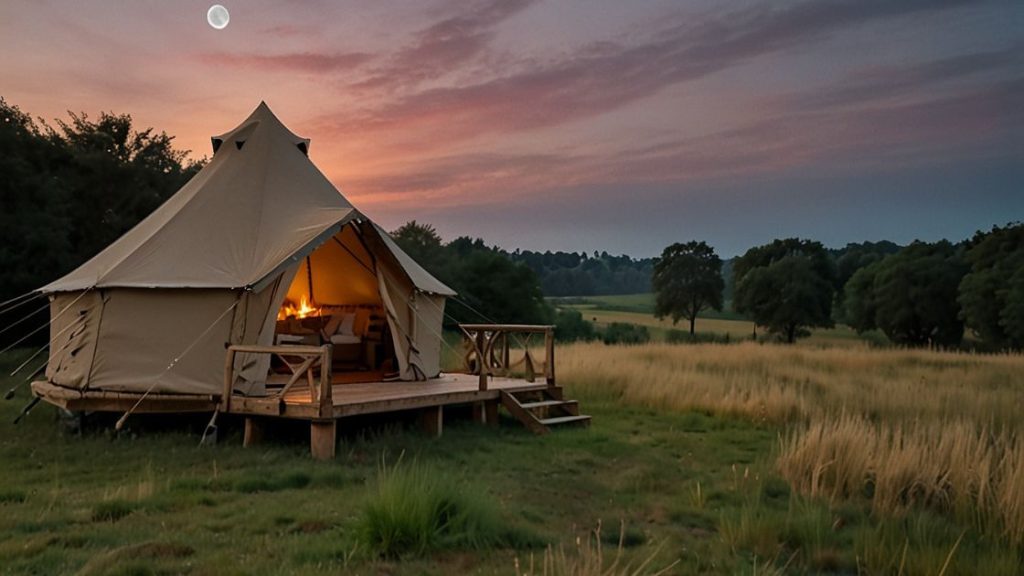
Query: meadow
point(702, 459)
point(638, 309)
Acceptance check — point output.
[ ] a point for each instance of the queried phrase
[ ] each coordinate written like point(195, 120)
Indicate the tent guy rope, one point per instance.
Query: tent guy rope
point(52, 319)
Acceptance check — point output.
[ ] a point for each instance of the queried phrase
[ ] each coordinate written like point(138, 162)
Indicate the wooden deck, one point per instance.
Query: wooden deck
point(350, 399)
point(308, 390)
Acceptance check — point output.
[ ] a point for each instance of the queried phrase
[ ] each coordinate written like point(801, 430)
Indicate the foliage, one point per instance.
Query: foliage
point(786, 286)
point(571, 327)
point(850, 259)
point(491, 287)
point(911, 295)
point(580, 274)
point(687, 280)
point(69, 191)
point(991, 295)
point(624, 333)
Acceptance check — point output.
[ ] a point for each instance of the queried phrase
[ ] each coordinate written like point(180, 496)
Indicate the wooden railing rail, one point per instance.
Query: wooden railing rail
point(491, 345)
point(310, 362)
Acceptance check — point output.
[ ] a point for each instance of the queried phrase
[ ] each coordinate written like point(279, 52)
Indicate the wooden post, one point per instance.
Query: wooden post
point(322, 438)
point(326, 396)
point(432, 420)
point(253, 432)
point(549, 361)
point(229, 379)
point(481, 360)
point(505, 354)
point(486, 412)
point(491, 412)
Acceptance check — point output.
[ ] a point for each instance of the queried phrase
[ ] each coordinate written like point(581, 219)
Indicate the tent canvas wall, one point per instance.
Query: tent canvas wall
point(212, 266)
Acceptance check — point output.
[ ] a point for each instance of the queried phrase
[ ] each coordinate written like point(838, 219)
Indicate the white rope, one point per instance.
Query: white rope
point(54, 317)
point(29, 293)
point(26, 317)
point(75, 324)
point(173, 363)
point(19, 304)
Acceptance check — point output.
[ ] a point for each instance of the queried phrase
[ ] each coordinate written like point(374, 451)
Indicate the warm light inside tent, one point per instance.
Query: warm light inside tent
point(304, 309)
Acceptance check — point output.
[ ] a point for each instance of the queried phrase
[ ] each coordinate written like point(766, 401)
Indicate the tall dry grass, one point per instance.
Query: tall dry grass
point(901, 428)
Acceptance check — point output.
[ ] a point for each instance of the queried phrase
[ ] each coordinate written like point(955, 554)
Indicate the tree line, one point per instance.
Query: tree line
point(580, 274)
point(72, 187)
point(923, 294)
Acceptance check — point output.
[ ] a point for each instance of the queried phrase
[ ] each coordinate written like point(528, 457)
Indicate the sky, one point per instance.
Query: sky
point(579, 124)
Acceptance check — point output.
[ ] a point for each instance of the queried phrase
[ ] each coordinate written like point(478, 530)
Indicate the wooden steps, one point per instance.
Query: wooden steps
point(539, 415)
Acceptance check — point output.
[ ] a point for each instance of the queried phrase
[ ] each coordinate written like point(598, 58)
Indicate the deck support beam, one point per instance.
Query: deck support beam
point(323, 435)
point(254, 428)
point(432, 420)
point(486, 412)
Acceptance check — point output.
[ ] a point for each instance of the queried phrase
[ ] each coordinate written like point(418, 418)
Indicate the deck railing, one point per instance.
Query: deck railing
point(491, 347)
point(310, 362)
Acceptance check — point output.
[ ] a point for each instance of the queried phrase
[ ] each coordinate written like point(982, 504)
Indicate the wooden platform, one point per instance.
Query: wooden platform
point(349, 399)
point(308, 390)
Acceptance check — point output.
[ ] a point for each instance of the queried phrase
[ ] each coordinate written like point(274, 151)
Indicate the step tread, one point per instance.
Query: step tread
point(564, 419)
point(544, 403)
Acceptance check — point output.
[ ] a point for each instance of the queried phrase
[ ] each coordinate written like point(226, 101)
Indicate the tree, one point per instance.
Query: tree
point(491, 286)
point(786, 286)
point(989, 295)
point(852, 258)
point(911, 295)
point(421, 241)
point(687, 279)
point(859, 309)
point(68, 192)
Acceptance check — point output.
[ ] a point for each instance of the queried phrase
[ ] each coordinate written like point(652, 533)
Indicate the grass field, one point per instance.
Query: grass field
point(715, 459)
point(639, 309)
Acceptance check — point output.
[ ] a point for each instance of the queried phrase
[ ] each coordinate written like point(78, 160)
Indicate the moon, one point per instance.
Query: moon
point(218, 17)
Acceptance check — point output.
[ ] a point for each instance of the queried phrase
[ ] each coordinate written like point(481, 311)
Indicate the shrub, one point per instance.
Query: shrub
point(674, 336)
point(623, 333)
point(414, 508)
point(570, 326)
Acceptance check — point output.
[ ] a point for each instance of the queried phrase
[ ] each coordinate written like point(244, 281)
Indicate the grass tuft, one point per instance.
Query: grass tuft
point(12, 496)
point(111, 510)
point(414, 508)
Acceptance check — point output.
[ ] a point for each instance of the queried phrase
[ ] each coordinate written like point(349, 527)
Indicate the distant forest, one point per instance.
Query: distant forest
point(580, 274)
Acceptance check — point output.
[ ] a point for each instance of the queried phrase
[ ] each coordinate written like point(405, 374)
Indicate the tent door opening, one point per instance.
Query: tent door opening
point(334, 298)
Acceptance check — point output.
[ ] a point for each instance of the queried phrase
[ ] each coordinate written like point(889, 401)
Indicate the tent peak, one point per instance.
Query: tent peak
point(261, 119)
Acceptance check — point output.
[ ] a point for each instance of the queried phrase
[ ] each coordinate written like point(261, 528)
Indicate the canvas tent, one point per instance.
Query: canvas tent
point(154, 311)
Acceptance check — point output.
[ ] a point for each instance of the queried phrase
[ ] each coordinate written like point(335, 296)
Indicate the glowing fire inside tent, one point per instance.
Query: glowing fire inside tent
point(304, 309)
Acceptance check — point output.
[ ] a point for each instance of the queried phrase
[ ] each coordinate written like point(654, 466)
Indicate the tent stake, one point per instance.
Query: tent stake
point(28, 408)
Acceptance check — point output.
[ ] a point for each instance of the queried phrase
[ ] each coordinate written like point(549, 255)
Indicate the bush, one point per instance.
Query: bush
point(683, 337)
point(570, 326)
point(623, 333)
point(415, 508)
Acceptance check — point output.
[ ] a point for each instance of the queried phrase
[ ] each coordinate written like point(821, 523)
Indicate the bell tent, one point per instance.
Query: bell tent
point(258, 248)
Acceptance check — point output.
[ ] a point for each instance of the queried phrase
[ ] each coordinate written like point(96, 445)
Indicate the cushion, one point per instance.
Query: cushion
point(345, 339)
point(347, 324)
point(332, 324)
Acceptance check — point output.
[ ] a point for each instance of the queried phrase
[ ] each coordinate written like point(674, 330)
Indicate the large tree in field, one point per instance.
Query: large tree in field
point(687, 279)
point(911, 295)
point(991, 295)
point(786, 286)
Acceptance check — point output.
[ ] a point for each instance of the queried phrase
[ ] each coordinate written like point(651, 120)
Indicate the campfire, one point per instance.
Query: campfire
point(304, 309)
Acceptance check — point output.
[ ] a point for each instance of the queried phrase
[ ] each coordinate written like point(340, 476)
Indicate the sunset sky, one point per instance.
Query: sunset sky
point(579, 124)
